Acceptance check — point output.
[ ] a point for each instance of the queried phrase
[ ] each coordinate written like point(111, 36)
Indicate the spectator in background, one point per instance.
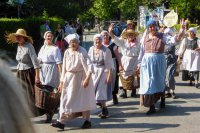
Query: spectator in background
point(79, 31)
point(59, 38)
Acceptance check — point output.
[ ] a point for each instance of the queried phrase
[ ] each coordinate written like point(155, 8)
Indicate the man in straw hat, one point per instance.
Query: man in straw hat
point(28, 65)
point(130, 48)
point(152, 65)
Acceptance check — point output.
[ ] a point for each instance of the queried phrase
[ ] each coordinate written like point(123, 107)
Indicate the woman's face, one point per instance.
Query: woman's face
point(74, 44)
point(131, 38)
point(152, 29)
point(97, 42)
point(129, 26)
point(49, 38)
point(191, 34)
point(105, 38)
point(20, 39)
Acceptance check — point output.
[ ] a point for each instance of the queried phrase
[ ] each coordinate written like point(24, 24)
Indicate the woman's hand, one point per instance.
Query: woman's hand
point(85, 82)
point(37, 80)
point(60, 87)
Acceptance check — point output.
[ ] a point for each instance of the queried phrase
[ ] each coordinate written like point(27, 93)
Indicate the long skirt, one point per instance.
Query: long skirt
point(27, 79)
point(152, 79)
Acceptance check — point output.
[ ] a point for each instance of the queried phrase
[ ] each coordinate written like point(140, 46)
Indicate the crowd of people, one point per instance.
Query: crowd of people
point(86, 79)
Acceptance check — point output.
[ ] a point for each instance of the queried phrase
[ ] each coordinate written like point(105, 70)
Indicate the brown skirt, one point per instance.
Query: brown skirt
point(150, 99)
point(27, 79)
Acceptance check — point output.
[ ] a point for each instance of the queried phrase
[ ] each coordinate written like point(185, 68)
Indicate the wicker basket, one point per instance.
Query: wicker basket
point(45, 98)
point(128, 82)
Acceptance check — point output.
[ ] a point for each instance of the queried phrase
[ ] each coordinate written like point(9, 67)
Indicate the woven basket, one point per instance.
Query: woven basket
point(45, 98)
point(128, 82)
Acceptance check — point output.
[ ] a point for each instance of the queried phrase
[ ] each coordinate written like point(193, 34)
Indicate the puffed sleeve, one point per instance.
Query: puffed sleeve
point(141, 54)
point(33, 56)
point(182, 47)
point(86, 62)
point(108, 61)
point(63, 67)
point(57, 56)
point(119, 42)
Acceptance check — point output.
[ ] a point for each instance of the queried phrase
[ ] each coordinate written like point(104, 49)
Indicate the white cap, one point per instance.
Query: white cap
point(98, 36)
point(194, 30)
point(169, 31)
point(72, 37)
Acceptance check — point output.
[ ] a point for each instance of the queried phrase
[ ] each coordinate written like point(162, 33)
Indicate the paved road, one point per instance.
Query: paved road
point(181, 115)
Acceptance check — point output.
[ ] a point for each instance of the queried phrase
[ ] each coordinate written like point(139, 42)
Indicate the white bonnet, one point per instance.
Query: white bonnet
point(98, 36)
point(45, 34)
point(169, 31)
point(104, 31)
point(72, 37)
point(194, 30)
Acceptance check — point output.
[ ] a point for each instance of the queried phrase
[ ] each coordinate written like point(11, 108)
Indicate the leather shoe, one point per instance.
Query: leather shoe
point(58, 125)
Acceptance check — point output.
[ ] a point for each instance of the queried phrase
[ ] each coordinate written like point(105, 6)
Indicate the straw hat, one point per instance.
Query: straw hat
point(130, 31)
point(129, 22)
point(11, 38)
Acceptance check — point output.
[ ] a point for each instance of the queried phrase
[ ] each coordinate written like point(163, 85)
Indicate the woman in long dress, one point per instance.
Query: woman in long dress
point(189, 50)
point(103, 64)
point(116, 58)
point(51, 62)
point(130, 48)
point(77, 96)
point(152, 65)
point(28, 65)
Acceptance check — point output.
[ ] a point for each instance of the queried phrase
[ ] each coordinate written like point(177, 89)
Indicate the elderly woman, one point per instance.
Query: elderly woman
point(130, 48)
point(189, 50)
point(171, 60)
point(103, 64)
point(152, 65)
point(116, 58)
point(77, 96)
point(28, 65)
point(50, 59)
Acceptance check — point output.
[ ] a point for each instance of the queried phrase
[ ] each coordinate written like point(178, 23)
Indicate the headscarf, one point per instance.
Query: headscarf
point(150, 22)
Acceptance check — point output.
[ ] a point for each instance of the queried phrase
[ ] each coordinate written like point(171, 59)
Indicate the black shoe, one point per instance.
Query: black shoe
point(87, 124)
point(99, 104)
point(123, 94)
point(174, 96)
point(104, 113)
point(162, 103)
point(196, 85)
point(133, 93)
point(49, 117)
point(168, 95)
point(151, 110)
point(115, 99)
point(58, 125)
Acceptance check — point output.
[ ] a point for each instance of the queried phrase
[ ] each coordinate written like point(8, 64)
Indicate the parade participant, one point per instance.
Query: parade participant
point(77, 96)
point(189, 51)
point(116, 58)
point(15, 113)
point(171, 59)
point(103, 64)
point(28, 65)
point(50, 59)
point(130, 48)
point(129, 26)
point(152, 65)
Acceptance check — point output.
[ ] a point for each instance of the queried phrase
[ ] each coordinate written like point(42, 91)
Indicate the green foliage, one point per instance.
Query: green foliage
point(45, 14)
point(31, 25)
